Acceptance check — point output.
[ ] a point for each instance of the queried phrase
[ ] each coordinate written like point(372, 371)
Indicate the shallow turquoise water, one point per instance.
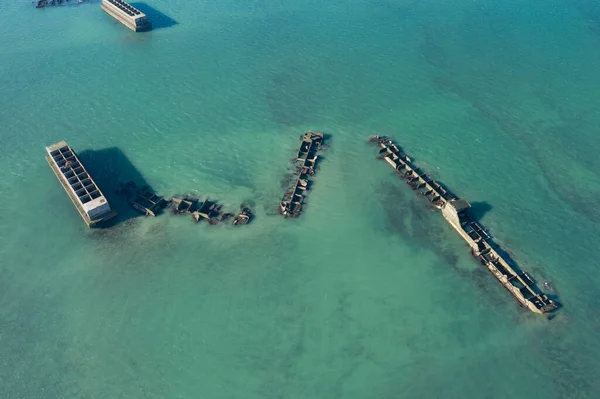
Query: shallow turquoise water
point(368, 294)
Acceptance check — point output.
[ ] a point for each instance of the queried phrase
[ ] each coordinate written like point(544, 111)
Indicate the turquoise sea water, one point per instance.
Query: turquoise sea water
point(369, 294)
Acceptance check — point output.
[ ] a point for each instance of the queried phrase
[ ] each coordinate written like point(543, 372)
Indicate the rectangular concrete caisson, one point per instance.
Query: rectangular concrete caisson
point(128, 15)
point(79, 185)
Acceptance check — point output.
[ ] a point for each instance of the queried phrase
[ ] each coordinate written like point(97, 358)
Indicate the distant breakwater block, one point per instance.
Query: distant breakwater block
point(128, 15)
point(458, 214)
point(55, 3)
point(292, 202)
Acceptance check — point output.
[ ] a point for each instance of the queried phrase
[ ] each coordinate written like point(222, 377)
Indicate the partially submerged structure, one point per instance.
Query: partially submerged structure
point(79, 185)
point(48, 3)
point(209, 210)
point(128, 15)
point(93, 207)
point(199, 210)
point(183, 205)
point(53, 3)
point(291, 204)
point(148, 203)
point(243, 218)
point(456, 212)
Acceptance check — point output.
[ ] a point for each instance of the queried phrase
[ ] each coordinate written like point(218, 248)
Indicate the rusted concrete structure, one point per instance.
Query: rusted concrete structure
point(128, 15)
point(53, 3)
point(456, 212)
point(415, 178)
point(148, 203)
point(209, 210)
point(199, 210)
point(291, 204)
point(183, 205)
point(48, 3)
point(79, 185)
point(243, 218)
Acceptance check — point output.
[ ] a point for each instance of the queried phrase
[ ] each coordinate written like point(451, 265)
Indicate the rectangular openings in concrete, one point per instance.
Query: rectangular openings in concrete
point(125, 7)
point(75, 174)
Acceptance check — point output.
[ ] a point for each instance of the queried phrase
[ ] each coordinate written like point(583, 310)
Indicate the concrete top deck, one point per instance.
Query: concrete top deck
point(56, 146)
point(77, 182)
point(126, 8)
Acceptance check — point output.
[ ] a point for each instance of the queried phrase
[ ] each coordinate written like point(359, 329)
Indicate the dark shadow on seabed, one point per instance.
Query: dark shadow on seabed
point(157, 18)
point(110, 168)
point(479, 209)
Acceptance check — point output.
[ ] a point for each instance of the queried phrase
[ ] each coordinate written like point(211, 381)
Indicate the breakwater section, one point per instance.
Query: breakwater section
point(56, 3)
point(79, 185)
point(128, 15)
point(93, 206)
point(292, 202)
point(456, 212)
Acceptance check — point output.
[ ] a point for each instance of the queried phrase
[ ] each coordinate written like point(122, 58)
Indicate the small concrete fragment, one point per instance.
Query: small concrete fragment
point(243, 218)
